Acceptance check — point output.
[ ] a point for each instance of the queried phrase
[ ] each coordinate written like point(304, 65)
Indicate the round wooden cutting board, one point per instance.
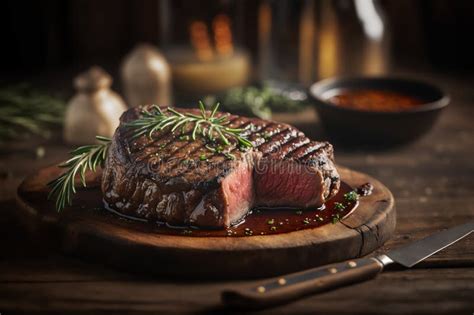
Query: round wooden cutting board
point(86, 232)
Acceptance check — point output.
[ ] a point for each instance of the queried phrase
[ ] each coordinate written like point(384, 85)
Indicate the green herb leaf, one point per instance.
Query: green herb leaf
point(83, 158)
point(351, 196)
point(336, 218)
point(88, 157)
point(26, 111)
point(209, 127)
point(339, 206)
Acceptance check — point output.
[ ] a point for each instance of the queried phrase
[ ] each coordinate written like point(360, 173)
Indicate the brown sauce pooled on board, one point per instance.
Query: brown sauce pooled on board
point(264, 221)
point(375, 100)
point(261, 221)
point(267, 221)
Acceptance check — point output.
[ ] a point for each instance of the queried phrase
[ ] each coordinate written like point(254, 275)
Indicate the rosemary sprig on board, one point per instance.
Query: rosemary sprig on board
point(84, 158)
point(207, 125)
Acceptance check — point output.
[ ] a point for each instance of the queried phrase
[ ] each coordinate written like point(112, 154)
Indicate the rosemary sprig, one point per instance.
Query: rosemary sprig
point(262, 101)
point(84, 158)
point(88, 157)
point(206, 124)
point(26, 111)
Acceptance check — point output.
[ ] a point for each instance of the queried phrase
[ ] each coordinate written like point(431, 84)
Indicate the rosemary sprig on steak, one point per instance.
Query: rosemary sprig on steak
point(84, 158)
point(90, 156)
point(206, 125)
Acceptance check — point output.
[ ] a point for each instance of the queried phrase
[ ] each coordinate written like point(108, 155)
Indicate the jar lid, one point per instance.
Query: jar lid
point(93, 79)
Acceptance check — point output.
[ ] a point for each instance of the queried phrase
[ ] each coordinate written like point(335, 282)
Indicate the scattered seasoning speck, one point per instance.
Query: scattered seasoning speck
point(365, 189)
point(281, 223)
point(306, 221)
point(339, 206)
point(271, 221)
point(320, 219)
point(351, 196)
point(273, 228)
point(229, 156)
point(335, 218)
point(187, 232)
point(261, 233)
point(202, 157)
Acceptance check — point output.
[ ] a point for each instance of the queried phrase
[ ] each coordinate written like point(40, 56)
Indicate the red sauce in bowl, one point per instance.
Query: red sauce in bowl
point(375, 100)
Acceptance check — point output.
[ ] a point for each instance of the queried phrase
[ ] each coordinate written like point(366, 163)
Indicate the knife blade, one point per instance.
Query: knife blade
point(413, 253)
point(287, 288)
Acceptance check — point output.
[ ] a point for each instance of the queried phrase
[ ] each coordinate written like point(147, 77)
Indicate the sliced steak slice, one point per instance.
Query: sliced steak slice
point(181, 182)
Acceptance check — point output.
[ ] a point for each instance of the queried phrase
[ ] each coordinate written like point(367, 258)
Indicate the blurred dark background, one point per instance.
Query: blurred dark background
point(41, 36)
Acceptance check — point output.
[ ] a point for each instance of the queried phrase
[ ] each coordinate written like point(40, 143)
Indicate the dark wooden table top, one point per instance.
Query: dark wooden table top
point(432, 181)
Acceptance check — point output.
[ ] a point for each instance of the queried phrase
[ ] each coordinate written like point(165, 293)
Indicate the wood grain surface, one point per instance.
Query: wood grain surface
point(432, 181)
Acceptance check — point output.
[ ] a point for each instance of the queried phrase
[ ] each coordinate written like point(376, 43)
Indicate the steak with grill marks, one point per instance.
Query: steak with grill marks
point(177, 180)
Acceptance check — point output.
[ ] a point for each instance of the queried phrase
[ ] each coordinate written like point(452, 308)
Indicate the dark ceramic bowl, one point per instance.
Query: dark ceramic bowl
point(353, 126)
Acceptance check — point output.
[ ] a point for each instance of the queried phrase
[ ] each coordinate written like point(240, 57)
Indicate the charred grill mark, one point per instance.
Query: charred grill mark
point(160, 193)
point(267, 136)
point(317, 154)
point(288, 148)
point(189, 150)
point(144, 142)
point(277, 141)
point(219, 163)
point(253, 132)
point(268, 133)
point(232, 120)
point(171, 138)
point(305, 150)
point(176, 147)
point(211, 157)
point(238, 123)
point(197, 149)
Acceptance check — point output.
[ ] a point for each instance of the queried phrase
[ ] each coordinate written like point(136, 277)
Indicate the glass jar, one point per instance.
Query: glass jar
point(307, 40)
point(201, 40)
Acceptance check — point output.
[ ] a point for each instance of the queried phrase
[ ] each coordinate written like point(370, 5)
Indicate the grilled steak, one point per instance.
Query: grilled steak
point(180, 181)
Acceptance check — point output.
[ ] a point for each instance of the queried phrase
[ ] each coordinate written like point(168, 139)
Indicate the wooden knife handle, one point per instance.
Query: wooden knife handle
point(287, 288)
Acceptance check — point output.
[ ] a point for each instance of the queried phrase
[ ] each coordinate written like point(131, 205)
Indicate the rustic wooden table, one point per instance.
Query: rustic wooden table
point(433, 184)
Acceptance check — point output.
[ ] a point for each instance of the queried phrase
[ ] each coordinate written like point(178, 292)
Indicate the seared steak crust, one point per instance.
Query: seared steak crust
point(174, 179)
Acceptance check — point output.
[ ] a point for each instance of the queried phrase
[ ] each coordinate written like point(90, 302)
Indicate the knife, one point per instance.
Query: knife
point(290, 287)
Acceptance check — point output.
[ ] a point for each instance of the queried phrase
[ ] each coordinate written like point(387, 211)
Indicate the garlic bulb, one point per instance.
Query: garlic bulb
point(146, 77)
point(94, 110)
